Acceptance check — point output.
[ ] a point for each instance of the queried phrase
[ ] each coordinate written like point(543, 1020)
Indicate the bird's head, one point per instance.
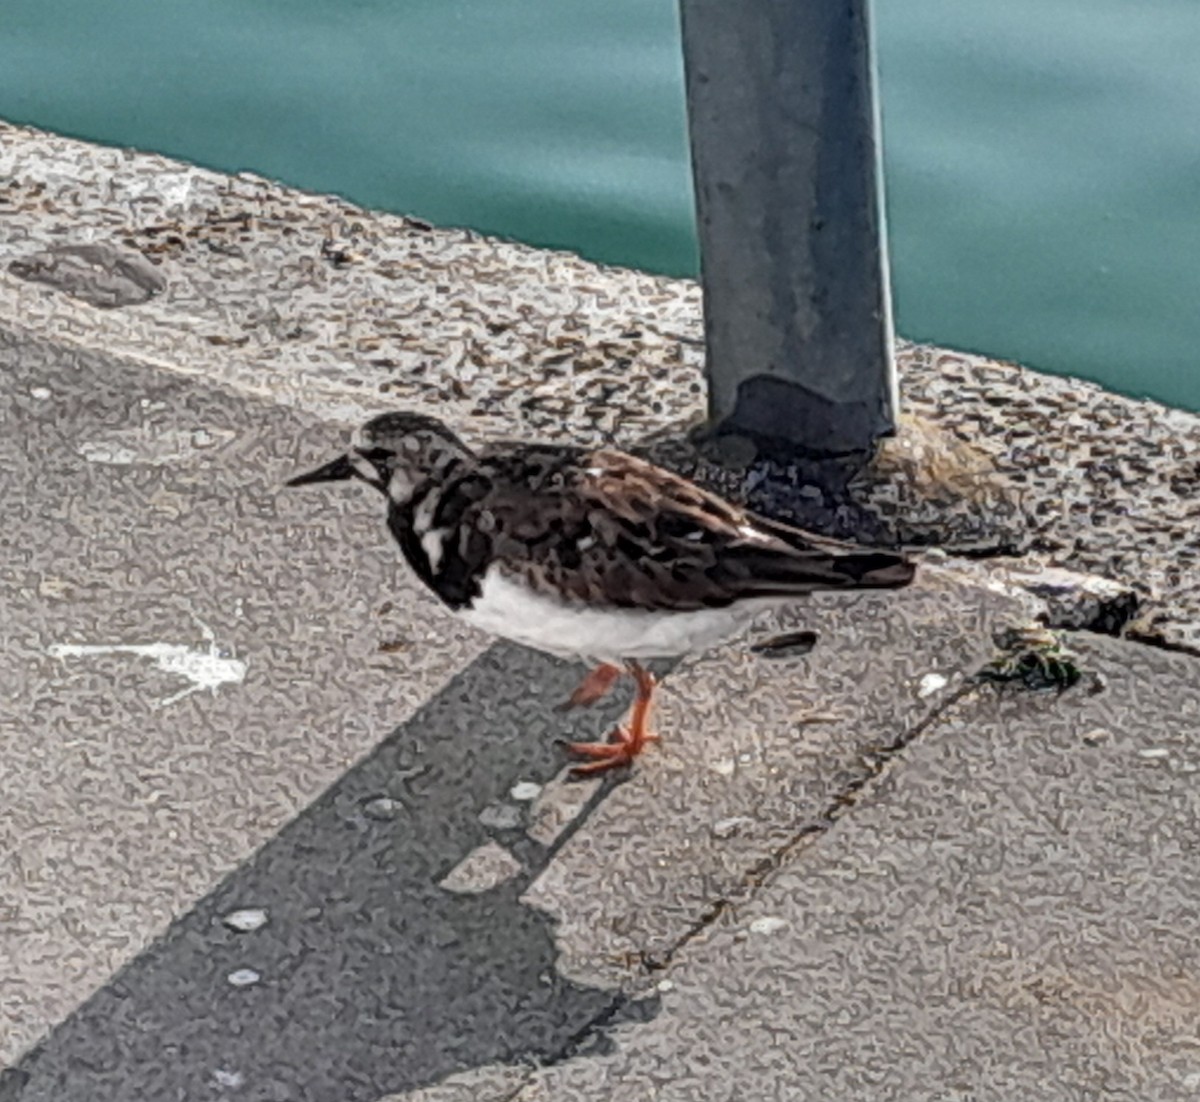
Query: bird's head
point(395, 453)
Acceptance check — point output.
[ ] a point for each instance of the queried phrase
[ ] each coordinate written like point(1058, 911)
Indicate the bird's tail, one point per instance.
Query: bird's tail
point(876, 569)
point(819, 562)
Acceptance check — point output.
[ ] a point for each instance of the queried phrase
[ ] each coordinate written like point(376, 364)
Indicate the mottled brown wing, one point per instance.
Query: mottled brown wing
point(609, 528)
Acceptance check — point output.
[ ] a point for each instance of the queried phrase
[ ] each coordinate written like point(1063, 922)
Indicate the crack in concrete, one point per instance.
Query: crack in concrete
point(1157, 642)
point(874, 763)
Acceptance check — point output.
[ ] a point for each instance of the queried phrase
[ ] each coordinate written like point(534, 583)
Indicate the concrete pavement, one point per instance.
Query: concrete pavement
point(856, 874)
point(141, 507)
point(150, 515)
point(273, 828)
point(1008, 912)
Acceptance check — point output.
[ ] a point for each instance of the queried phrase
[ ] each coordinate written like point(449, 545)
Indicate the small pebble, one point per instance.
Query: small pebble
point(1155, 753)
point(381, 808)
point(229, 1079)
point(244, 977)
point(524, 791)
point(443, 935)
point(500, 817)
point(727, 828)
point(246, 920)
point(666, 985)
point(41, 393)
point(1096, 736)
point(768, 924)
point(931, 683)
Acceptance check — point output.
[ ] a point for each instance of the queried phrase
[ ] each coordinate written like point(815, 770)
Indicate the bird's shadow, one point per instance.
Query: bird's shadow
point(371, 979)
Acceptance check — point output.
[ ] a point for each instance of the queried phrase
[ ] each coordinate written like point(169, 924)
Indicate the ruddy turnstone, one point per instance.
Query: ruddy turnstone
point(589, 553)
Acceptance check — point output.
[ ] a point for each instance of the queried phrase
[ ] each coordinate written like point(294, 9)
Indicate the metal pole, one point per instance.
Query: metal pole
point(786, 158)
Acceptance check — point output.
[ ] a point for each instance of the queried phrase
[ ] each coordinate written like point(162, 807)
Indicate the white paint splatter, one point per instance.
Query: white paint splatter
point(205, 668)
point(727, 828)
point(768, 924)
point(158, 447)
point(100, 451)
point(931, 683)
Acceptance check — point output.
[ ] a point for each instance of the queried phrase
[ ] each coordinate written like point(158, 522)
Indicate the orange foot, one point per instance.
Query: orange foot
point(623, 746)
point(592, 688)
point(624, 743)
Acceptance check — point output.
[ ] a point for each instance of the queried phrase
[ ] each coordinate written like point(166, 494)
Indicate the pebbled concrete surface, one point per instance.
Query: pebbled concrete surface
point(142, 510)
point(385, 950)
point(309, 301)
point(369, 977)
point(937, 891)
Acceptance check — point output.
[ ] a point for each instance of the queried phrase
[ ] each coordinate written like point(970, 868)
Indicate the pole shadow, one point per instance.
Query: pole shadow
point(371, 979)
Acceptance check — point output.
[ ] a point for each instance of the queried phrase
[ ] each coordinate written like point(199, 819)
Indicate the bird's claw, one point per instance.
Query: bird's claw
point(622, 747)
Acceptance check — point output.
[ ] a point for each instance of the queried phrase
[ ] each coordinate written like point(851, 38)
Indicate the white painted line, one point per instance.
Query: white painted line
point(931, 683)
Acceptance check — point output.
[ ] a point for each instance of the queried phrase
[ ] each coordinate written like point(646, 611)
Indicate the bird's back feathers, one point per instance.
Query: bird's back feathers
point(612, 530)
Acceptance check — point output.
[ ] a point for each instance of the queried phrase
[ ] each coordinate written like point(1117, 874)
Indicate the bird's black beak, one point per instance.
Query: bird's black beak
point(339, 470)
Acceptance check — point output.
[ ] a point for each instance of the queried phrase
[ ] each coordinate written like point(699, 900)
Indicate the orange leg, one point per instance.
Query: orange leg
point(592, 688)
point(624, 743)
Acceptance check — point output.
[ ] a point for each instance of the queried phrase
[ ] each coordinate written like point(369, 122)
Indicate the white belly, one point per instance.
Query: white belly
point(506, 607)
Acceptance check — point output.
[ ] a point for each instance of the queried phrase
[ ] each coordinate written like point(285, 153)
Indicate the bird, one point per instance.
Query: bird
point(589, 553)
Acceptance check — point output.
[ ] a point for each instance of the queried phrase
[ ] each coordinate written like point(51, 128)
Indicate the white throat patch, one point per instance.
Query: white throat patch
point(364, 467)
point(400, 487)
